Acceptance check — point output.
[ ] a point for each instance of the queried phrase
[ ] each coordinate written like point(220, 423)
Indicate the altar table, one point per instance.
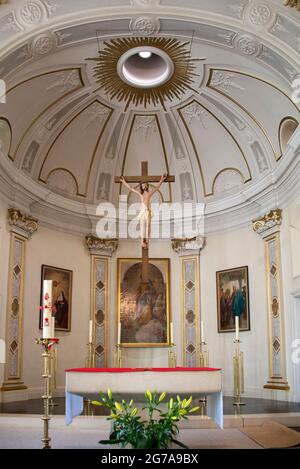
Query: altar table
point(132, 383)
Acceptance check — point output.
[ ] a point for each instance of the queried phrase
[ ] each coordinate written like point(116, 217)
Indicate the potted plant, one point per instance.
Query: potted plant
point(158, 431)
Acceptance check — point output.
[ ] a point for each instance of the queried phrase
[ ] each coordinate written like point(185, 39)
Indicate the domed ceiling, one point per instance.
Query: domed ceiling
point(214, 105)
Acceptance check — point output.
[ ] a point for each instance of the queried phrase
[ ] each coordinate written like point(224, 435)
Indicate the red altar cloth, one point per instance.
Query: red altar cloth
point(126, 370)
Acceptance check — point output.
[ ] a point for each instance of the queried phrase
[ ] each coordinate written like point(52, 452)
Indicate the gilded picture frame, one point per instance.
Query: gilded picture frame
point(61, 295)
point(233, 299)
point(144, 315)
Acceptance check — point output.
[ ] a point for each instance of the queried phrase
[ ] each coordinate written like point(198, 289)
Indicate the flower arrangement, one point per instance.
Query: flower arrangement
point(159, 431)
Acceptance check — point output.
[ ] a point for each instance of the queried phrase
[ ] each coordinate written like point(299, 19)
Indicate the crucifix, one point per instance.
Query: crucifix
point(145, 214)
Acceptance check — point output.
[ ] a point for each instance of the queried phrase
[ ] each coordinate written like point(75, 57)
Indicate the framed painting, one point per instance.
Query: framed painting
point(144, 312)
point(61, 295)
point(233, 299)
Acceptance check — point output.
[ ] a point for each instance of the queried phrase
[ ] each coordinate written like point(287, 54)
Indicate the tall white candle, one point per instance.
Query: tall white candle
point(202, 331)
point(172, 333)
point(91, 331)
point(52, 327)
point(47, 309)
point(237, 323)
point(119, 333)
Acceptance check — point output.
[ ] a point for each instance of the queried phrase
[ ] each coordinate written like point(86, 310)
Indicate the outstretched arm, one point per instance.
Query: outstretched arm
point(123, 180)
point(162, 179)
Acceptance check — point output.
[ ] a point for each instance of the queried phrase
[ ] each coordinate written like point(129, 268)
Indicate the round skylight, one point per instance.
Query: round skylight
point(145, 67)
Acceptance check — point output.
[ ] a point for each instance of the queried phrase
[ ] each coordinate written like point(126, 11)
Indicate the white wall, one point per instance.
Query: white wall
point(235, 249)
point(238, 248)
point(66, 251)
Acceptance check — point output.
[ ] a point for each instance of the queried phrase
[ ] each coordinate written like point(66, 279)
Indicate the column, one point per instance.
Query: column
point(22, 227)
point(101, 251)
point(189, 252)
point(268, 227)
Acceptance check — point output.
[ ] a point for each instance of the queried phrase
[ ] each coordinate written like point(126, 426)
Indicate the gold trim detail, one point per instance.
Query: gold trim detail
point(292, 4)
point(105, 71)
point(104, 344)
point(168, 300)
point(194, 259)
point(105, 245)
point(268, 221)
point(23, 222)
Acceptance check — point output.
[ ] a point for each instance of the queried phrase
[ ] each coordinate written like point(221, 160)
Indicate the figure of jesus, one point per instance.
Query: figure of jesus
point(145, 214)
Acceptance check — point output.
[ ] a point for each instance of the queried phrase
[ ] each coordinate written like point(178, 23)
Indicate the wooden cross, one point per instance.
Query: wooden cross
point(139, 180)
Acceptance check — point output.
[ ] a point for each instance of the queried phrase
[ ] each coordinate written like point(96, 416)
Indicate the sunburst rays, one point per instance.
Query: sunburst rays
point(105, 71)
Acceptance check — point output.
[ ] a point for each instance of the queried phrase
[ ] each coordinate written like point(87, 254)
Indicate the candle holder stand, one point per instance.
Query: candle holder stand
point(90, 359)
point(172, 357)
point(204, 363)
point(118, 356)
point(238, 372)
point(46, 344)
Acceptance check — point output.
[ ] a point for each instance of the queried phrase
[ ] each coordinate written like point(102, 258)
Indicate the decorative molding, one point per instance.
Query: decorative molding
point(185, 246)
point(190, 310)
point(268, 222)
point(21, 223)
point(99, 308)
point(277, 360)
point(101, 246)
point(14, 314)
point(247, 44)
point(260, 15)
point(43, 44)
point(145, 25)
point(108, 79)
point(31, 13)
point(292, 4)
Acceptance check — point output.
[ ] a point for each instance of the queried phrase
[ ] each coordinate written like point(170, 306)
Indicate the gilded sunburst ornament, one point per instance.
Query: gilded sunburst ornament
point(119, 60)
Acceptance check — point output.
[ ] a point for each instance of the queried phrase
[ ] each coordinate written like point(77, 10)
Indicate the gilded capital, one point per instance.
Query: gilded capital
point(103, 246)
point(272, 220)
point(183, 246)
point(292, 3)
point(22, 223)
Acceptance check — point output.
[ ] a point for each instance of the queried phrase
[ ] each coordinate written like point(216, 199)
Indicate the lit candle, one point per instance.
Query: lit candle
point(237, 327)
point(47, 309)
point(172, 333)
point(119, 333)
point(202, 331)
point(91, 331)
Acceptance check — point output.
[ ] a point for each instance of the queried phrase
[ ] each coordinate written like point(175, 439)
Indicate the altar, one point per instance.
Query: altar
point(132, 383)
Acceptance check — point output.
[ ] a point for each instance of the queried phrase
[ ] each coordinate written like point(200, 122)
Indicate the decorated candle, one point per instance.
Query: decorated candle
point(237, 327)
point(47, 309)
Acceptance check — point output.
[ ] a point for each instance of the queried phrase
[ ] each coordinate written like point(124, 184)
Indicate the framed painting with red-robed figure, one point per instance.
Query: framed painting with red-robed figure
point(233, 299)
point(61, 295)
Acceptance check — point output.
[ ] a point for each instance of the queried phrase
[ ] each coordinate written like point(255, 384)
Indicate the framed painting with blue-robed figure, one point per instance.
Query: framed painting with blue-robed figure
point(233, 299)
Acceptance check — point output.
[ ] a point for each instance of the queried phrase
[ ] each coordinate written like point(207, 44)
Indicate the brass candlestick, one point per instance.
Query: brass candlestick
point(47, 344)
point(238, 371)
point(204, 355)
point(204, 363)
point(172, 357)
point(90, 359)
point(118, 356)
point(53, 372)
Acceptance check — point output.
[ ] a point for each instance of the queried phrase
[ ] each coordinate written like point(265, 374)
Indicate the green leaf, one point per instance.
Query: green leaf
point(118, 406)
point(194, 409)
point(162, 396)
point(109, 393)
point(97, 403)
